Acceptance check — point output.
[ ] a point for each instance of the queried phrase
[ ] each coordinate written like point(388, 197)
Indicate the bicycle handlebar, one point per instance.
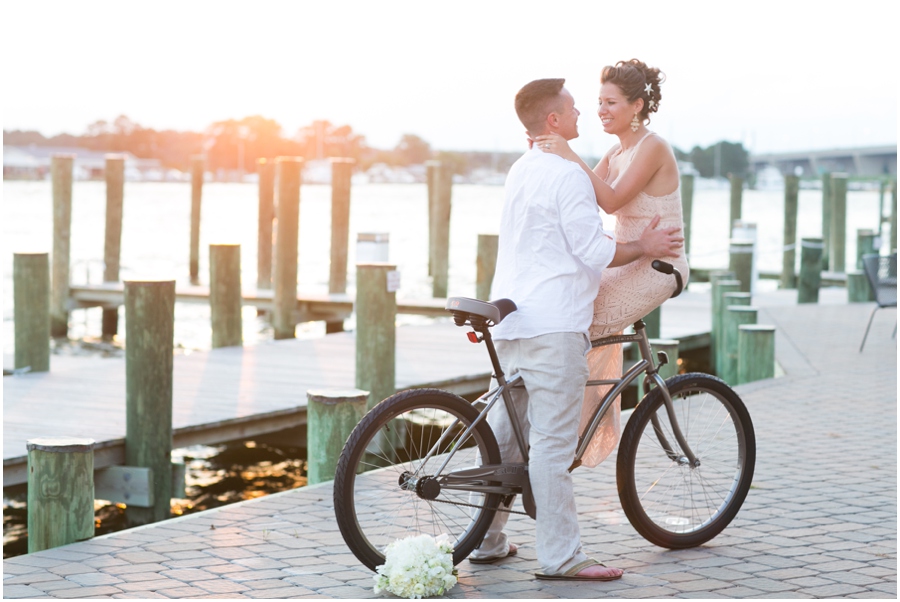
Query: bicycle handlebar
point(668, 268)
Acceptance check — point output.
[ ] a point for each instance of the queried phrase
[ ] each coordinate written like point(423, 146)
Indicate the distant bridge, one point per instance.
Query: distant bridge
point(865, 161)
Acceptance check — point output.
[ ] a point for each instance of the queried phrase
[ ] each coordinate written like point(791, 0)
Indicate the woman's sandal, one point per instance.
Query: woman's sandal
point(572, 573)
point(513, 550)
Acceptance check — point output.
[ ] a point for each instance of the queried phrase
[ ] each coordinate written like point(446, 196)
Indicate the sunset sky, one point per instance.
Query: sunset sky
point(773, 75)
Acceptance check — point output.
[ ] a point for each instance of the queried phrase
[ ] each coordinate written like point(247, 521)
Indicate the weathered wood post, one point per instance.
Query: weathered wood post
point(858, 289)
point(341, 173)
point(485, 265)
point(740, 261)
point(867, 242)
point(331, 417)
point(31, 311)
point(729, 300)
point(431, 179)
point(789, 261)
point(149, 331)
point(721, 283)
point(893, 246)
point(61, 174)
point(60, 492)
point(687, 208)
point(266, 196)
point(225, 295)
point(653, 323)
point(756, 352)
point(735, 316)
point(376, 316)
point(197, 168)
point(288, 172)
point(882, 187)
point(441, 262)
point(112, 246)
point(827, 204)
point(838, 254)
point(810, 270)
point(737, 192)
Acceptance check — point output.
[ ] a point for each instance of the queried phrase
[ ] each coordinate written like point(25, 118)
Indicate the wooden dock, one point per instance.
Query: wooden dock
point(241, 392)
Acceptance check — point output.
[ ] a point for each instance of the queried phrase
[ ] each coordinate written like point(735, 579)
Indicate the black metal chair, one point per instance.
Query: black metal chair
point(881, 273)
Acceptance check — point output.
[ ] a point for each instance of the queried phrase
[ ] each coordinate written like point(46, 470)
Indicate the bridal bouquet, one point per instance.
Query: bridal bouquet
point(416, 567)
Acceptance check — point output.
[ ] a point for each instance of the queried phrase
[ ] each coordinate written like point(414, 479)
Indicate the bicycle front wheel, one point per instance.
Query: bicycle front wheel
point(669, 502)
point(387, 484)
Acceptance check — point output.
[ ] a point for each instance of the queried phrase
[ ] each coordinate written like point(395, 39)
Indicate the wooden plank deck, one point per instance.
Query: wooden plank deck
point(232, 393)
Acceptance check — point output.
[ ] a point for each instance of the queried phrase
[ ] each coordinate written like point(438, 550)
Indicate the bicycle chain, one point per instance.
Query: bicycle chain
point(481, 507)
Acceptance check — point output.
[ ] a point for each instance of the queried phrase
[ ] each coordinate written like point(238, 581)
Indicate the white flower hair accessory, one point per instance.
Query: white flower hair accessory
point(417, 567)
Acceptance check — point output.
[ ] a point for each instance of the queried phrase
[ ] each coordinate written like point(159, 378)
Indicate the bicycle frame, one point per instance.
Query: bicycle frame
point(513, 474)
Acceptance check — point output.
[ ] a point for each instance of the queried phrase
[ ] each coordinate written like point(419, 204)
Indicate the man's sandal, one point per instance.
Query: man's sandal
point(572, 573)
point(513, 550)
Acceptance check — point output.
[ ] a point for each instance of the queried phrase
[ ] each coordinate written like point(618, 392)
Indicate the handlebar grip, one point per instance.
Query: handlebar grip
point(668, 268)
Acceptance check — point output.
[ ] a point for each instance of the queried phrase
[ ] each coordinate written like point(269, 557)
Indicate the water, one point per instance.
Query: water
point(155, 238)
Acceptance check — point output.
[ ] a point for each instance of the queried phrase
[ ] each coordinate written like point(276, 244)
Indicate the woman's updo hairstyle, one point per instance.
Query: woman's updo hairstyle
point(632, 78)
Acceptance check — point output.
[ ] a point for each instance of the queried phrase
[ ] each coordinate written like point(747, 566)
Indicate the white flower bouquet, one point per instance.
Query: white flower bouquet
point(417, 567)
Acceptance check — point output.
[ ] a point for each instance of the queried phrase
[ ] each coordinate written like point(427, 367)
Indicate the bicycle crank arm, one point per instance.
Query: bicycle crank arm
point(509, 475)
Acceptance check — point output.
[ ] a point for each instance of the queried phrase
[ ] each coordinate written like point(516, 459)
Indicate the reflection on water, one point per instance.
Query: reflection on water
point(215, 476)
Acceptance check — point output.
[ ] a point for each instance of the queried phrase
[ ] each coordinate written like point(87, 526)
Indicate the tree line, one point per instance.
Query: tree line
point(237, 144)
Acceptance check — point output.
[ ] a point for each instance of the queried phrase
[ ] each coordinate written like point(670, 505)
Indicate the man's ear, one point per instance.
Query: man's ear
point(553, 120)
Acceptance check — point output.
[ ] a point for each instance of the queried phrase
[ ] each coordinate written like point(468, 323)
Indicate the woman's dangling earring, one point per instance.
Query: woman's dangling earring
point(635, 124)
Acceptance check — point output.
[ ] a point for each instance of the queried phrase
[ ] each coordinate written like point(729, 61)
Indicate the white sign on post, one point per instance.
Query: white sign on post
point(393, 281)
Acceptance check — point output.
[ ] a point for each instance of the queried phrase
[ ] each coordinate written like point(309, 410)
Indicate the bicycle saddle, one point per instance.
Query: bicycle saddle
point(464, 308)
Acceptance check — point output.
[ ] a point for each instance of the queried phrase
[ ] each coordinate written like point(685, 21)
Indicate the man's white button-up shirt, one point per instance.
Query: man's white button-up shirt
point(552, 248)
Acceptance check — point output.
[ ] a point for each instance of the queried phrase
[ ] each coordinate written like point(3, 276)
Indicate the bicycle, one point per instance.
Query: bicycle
point(426, 460)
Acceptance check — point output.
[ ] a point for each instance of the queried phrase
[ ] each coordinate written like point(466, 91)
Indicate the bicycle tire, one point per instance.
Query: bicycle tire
point(372, 508)
point(667, 501)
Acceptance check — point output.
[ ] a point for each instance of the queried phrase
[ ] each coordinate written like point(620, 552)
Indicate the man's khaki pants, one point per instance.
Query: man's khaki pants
point(554, 370)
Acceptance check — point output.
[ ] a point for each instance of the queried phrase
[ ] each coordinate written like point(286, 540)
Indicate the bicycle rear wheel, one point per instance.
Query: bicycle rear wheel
point(669, 502)
point(383, 488)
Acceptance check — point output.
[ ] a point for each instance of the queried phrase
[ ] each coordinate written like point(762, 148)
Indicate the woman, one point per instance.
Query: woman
point(636, 180)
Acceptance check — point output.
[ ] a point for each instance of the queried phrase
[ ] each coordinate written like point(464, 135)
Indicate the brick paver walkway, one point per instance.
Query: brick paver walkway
point(820, 520)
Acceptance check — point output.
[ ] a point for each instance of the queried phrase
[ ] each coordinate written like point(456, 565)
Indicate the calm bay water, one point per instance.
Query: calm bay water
point(155, 238)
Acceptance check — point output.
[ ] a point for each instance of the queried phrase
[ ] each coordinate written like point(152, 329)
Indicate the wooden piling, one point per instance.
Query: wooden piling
point(61, 174)
point(722, 282)
point(789, 261)
point(858, 289)
point(265, 168)
point(838, 254)
point(341, 172)
point(653, 323)
point(756, 352)
point(734, 316)
point(149, 331)
point(112, 247)
point(31, 311)
point(431, 182)
point(60, 492)
point(740, 261)
point(197, 168)
point(485, 265)
point(331, 417)
point(811, 250)
point(441, 261)
point(866, 244)
point(737, 192)
point(376, 316)
point(288, 172)
point(687, 208)
point(893, 246)
point(729, 299)
point(827, 203)
point(225, 295)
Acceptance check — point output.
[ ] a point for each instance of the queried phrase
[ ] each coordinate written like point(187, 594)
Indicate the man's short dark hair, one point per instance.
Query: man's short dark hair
point(536, 100)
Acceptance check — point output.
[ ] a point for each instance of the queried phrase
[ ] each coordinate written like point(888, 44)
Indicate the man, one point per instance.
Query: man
point(552, 250)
